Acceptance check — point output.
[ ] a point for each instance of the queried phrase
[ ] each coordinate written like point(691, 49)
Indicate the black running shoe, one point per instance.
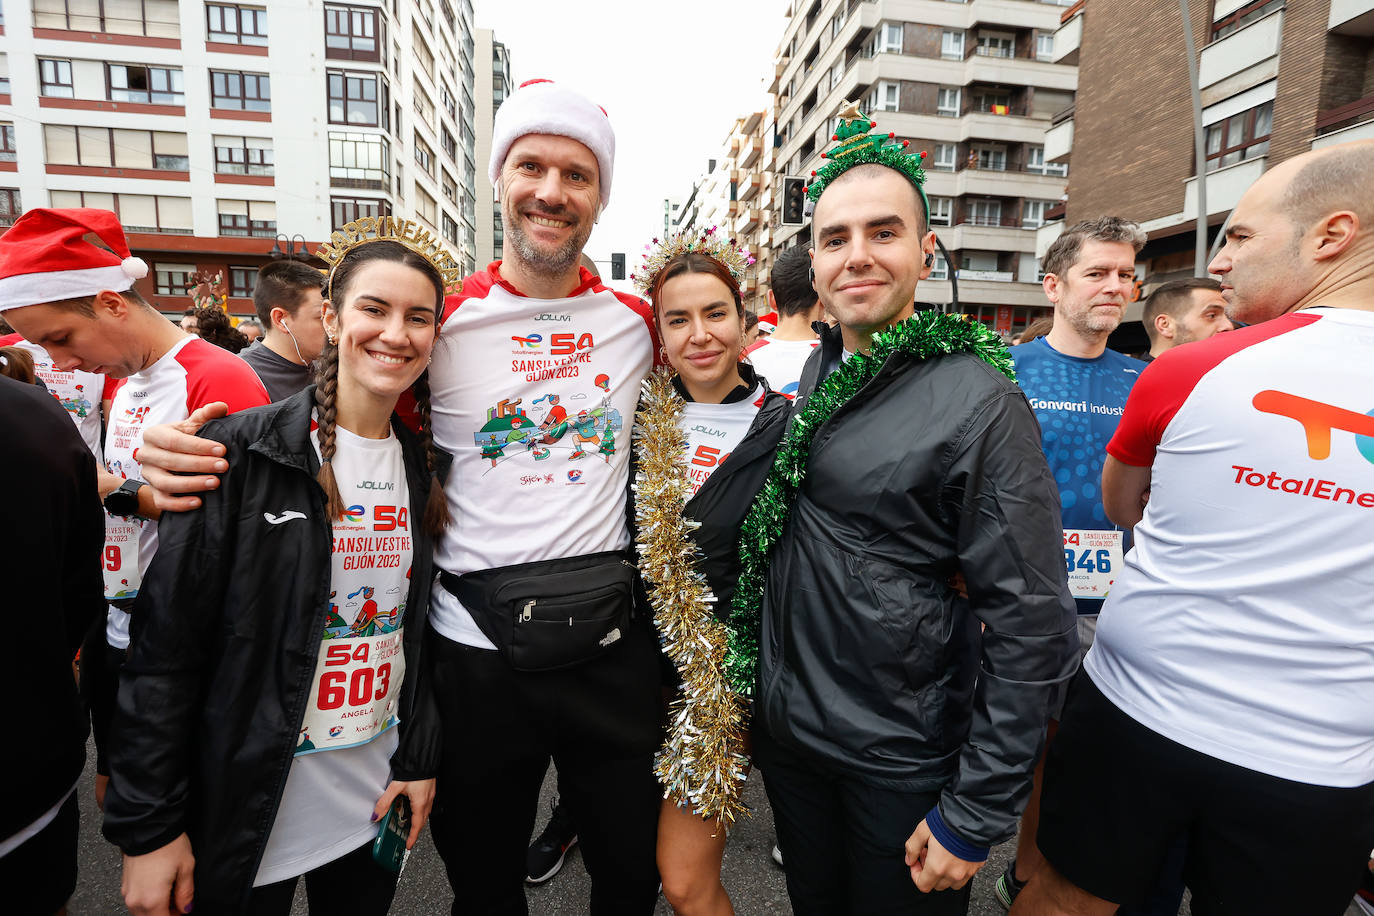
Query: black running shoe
point(546, 853)
point(1007, 887)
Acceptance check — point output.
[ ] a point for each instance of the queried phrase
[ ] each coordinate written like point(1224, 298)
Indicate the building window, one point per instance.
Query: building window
point(941, 211)
point(240, 91)
point(984, 213)
point(988, 156)
point(947, 102)
point(359, 161)
point(154, 85)
point(424, 156)
point(242, 280)
point(256, 218)
point(1242, 17)
point(447, 143)
point(952, 44)
point(449, 103)
point(450, 187)
point(8, 151)
point(353, 33)
point(940, 269)
point(1240, 137)
point(243, 156)
point(887, 38)
point(1035, 162)
point(10, 207)
point(423, 106)
point(233, 24)
point(115, 148)
point(992, 102)
point(356, 98)
point(1033, 213)
point(348, 209)
point(885, 97)
point(172, 279)
point(55, 79)
point(426, 206)
point(1044, 45)
point(945, 158)
point(151, 18)
point(836, 74)
point(450, 229)
point(137, 212)
point(996, 45)
point(420, 51)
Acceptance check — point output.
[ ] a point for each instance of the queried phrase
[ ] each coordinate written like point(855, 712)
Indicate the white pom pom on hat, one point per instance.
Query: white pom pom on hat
point(134, 268)
point(545, 107)
point(45, 257)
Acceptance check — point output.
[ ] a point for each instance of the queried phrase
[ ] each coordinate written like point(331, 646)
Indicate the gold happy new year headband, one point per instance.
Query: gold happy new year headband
point(386, 228)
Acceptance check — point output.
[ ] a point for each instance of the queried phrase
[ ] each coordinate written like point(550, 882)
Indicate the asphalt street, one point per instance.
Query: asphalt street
point(755, 884)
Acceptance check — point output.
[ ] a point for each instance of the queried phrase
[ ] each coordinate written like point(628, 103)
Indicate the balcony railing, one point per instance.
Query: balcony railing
point(1336, 118)
point(994, 222)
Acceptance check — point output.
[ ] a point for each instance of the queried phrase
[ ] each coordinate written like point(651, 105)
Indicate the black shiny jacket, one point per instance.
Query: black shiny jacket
point(224, 639)
point(868, 657)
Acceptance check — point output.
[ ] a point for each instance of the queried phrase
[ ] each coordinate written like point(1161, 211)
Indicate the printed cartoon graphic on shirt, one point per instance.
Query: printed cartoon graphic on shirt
point(359, 666)
point(555, 428)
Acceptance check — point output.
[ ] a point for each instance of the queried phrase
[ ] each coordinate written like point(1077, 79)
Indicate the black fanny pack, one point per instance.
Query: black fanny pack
point(553, 613)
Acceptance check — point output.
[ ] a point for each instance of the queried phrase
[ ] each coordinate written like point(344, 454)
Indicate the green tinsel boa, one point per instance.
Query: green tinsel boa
point(922, 336)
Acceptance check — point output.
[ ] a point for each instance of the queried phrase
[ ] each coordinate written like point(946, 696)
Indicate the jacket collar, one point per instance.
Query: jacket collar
point(286, 440)
point(747, 374)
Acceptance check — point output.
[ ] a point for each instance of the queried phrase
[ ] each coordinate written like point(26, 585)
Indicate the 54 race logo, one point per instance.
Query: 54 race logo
point(1091, 560)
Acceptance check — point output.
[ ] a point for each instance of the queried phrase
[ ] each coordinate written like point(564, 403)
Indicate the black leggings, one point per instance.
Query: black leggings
point(351, 885)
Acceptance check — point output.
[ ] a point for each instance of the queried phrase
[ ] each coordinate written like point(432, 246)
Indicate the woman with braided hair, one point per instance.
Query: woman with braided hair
point(261, 737)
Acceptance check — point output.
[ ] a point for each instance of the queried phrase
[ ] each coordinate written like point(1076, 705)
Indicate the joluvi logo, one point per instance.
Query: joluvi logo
point(1318, 419)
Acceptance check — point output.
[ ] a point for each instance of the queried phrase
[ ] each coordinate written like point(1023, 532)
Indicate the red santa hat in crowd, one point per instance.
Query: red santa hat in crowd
point(544, 107)
point(45, 257)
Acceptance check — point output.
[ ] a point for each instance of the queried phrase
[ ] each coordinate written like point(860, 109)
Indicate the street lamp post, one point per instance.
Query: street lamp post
point(1199, 144)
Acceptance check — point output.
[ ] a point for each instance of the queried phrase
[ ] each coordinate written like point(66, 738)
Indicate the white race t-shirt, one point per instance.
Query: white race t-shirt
point(1243, 624)
point(343, 754)
point(534, 398)
point(78, 392)
point(781, 362)
point(713, 431)
point(191, 374)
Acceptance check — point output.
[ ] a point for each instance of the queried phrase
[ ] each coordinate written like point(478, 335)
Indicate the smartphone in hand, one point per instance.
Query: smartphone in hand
point(389, 849)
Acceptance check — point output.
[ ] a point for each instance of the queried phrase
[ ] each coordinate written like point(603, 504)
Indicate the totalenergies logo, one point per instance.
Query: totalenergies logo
point(529, 343)
point(355, 514)
point(1318, 419)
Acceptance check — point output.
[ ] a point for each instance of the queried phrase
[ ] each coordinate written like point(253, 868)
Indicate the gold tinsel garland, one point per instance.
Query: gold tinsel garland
point(702, 763)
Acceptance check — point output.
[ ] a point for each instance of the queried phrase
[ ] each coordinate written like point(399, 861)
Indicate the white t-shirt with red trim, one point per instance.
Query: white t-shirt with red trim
point(1243, 624)
point(781, 362)
point(713, 431)
point(189, 375)
point(78, 392)
point(534, 398)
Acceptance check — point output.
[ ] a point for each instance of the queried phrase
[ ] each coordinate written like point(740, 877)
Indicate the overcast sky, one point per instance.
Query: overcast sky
point(672, 76)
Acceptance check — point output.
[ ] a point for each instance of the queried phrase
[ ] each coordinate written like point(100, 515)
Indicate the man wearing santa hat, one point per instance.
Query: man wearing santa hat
point(539, 651)
point(76, 300)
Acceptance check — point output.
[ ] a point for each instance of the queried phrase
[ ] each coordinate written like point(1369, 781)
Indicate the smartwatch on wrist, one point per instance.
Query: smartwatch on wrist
point(123, 500)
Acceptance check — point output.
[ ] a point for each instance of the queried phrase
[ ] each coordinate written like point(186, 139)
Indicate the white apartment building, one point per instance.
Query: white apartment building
point(491, 86)
point(974, 84)
point(220, 132)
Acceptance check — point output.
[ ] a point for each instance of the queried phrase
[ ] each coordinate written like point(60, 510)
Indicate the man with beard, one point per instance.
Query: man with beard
point(536, 650)
point(1228, 697)
point(1182, 311)
point(1078, 389)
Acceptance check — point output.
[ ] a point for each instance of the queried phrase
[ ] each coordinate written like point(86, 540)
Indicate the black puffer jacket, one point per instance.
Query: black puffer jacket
point(868, 659)
point(223, 647)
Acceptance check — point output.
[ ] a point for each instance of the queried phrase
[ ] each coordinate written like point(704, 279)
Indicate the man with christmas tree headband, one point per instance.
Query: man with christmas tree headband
point(896, 739)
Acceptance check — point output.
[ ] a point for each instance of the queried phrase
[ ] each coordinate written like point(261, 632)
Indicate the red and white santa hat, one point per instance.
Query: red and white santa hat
point(544, 107)
point(45, 257)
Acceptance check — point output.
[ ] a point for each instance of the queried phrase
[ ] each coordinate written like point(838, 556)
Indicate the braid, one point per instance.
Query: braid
point(326, 389)
point(436, 507)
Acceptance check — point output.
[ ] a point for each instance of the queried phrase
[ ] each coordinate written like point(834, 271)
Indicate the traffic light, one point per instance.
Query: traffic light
point(617, 266)
point(793, 201)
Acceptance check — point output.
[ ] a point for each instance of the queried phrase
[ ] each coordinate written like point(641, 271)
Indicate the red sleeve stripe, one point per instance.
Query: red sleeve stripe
point(213, 374)
point(1167, 383)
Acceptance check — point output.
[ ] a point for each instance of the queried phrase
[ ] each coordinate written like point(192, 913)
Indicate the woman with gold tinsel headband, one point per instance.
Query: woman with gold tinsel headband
point(705, 435)
point(280, 724)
